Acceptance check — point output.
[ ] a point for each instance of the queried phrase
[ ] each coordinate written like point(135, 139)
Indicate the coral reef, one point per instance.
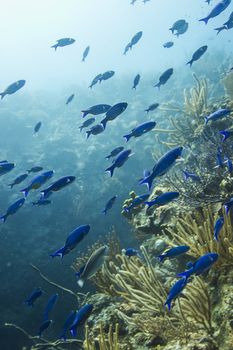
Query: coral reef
point(227, 81)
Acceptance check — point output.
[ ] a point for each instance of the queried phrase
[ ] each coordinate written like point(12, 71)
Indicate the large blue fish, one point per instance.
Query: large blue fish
point(135, 39)
point(114, 112)
point(119, 161)
point(37, 182)
point(174, 252)
point(67, 324)
point(175, 291)
point(217, 227)
point(63, 42)
point(201, 265)
point(44, 326)
point(163, 199)
point(5, 167)
point(80, 318)
point(162, 166)
point(179, 27)
point(197, 54)
point(13, 208)
point(18, 180)
point(14, 87)
point(137, 201)
point(57, 185)
point(140, 130)
point(72, 240)
point(50, 305)
point(109, 204)
point(219, 114)
point(219, 8)
point(33, 297)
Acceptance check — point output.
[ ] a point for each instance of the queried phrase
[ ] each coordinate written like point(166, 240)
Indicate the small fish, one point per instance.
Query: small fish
point(229, 164)
point(114, 112)
point(37, 182)
point(106, 75)
point(18, 180)
point(135, 39)
point(179, 27)
point(109, 204)
point(200, 266)
point(175, 291)
point(152, 107)
point(37, 127)
point(33, 297)
point(136, 81)
point(14, 87)
point(63, 42)
point(95, 80)
point(42, 202)
point(92, 265)
point(50, 305)
point(13, 208)
point(35, 169)
point(72, 240)
point(140, 130)
point(85, 53)
point(219, 8)
point(6, 167)
point(226, 134)
point(219, 160)
point(174, 252)
point(164, 77)
point(188, 175)
point(221, 113)
point(67, 324)
point(44, 326)
point(69, 99)
point(162, 166)
point(58, 185)
point(137, 201)
point(217, 227)
point(168, 44)
point(198, 54)
point(115, 152)
point(96, 110)
point(119, 161)
point(163, 199)
point(95, 130)
point(129, 252)
point(219, 29)
point(80, 318)
point(127, 48)
point(228, 206)
point(87, 123)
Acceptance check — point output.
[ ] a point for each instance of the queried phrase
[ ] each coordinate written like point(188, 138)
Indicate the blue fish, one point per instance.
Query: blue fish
point(72, 240)
point(221, 113)
point(163, 199)
point(87, 123)
point(95, 81)
point(115, 152)
point(174, 252)
point(85, 53)
point(219, 160)
point(35, 169)
point(228, 206)
point(140, 130)
point(37, 127)
point(37, 182)
point(33, 297)
point(69, 99)
point(217, 227)
point(58, 185)
point(135, 39)
point(201, 265)
point(175, 291)
point(162, 166)
point(114, 112)
point(14, 87)
point(63, 42)
point(198, 54)
point(13, 208)
point(5, 167)
point(95, 130)
point(226, 134)
point(137, 201)
point(131, 252)
point(44, 326)
point(96, 110)
point(80, 318)
point(50, 305)
point(136, 81)
point(164, 77)
point(106, 75)
point(119, 161)
point(109, 205)
point(18, 180)
point(67, 324)
point(152, 107)
point(168, 44)
point(188, 175)
point(219, 8)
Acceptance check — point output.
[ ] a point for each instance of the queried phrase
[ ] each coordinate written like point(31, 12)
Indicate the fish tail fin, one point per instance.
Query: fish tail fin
point(206, 19)
point(10, 185)
point(59, 252)
point(2, 94)
point(104, 212)
point(88, 133)
point(134, 88)
point(73, 332)
point(55, 47)
point(83, 59)
point(206, 120)
point(157, 85)
point(80, 128)
point(148, 181)
point(104, 123)
point(172, 30)
point(190, 63)
point(3, 218)
point(168, 304)
point(80, 282)
point(111, 170)
point(220, 29)
point(127, 137)
point(84, 113)
point(225, 134)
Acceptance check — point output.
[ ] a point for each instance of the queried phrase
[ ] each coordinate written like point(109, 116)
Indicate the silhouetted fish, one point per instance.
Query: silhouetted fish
point(197, 54)
point(85, 53)
point(136, 81)
point(164, 77)
point(219, 8)
point(11, 89)
point(69, 99)
point(63, 42)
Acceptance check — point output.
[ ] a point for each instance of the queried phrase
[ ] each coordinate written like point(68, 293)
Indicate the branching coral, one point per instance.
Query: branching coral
point(102, 341)
point(197, 231)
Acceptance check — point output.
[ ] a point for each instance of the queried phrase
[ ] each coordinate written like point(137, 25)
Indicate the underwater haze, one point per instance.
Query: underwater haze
point(116, 174)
